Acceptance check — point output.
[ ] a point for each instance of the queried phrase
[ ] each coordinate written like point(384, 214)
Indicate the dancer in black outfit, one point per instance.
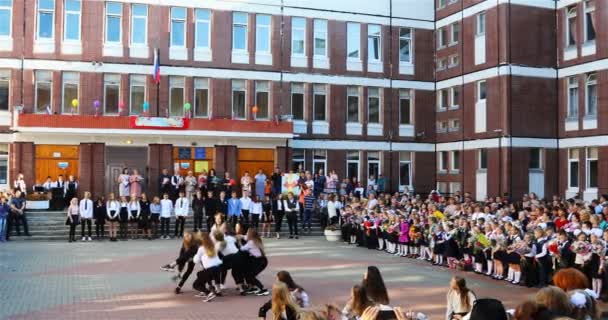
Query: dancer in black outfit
point(186, 254)
point(144, 216)
point(278, 212)
point(99, 214)
point(198, 206)
point(211, 205)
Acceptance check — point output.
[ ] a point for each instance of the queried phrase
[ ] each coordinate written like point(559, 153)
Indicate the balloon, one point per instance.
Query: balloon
point(254, 109)
point(74, 103)
point(121, 105)
point(96, 104)
point(187, 106)
point(146, 106)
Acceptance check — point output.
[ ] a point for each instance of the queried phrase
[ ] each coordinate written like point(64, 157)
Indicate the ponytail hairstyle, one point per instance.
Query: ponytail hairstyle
point(254, 236)
point(219, 238)
point(208, 245)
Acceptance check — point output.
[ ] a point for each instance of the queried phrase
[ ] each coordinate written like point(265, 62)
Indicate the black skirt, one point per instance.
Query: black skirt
point(452, 250)
point(112, 213)
point(75, 220)
point(155, 218)
point(512, 258)
point(144, 220)
point(134, 217)
point(439, 248)
point(124, 215)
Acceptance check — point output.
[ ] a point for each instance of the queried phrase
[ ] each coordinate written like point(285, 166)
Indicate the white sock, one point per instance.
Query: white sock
point(516, 276)
point(489, 264)
point(510, 274)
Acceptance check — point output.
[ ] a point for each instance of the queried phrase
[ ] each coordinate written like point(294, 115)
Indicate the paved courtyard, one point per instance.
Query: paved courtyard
point(122, 280)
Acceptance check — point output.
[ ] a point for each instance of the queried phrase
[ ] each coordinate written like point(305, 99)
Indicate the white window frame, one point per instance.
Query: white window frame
point(5, 81)
point(442, 40)
point(591, 80)
point(235, 86)
point(588, 160)
point(453, 61)
point(177, 82)
point(197, 22)
point(374, 92)
point(378, 162)
point(442, 126)
point(183, 20)
point(136, 80)
point(298, 159)
point(478, 91)
point(133, 18)
point(349, 94)
point(295, 29)
point(240, 25)
point(356, 28)
point(406, 94)
point(572, 111)
point(405, 160)
point(371, 37)
point(10, 20)
point(540, 160)
point(570, 14)
point(454, 38)
point(42, 76)
point(480, 152)
point(480, 24)
point(105, 37)
point(320, 32)
point(442, 95)
point(201, 84)
point(455, 154)
point(318, 91)
point(409, 40)
point(70, 78)
point(65, 19)
point(588, 10)
point(442, 166)
point(258, 33)
point(39, 11)
point(357, 162)
point(323, 161)
point(574, 156)
point(452, 125)
point(109, 81)
point(454, 102)
point(298, 88)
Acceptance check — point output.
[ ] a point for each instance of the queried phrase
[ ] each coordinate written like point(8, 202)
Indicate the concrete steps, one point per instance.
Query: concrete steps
point(50, 226)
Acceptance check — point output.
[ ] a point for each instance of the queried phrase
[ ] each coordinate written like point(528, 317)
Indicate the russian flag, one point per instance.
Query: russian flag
point(156, 72)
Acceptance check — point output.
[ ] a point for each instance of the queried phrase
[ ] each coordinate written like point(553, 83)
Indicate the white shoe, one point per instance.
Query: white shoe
point(201, 295)
point(83, 239)
point(89, 239)
point(210, 297)
point(222, 287)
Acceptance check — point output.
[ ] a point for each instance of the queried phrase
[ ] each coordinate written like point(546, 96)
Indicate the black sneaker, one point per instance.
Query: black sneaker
point(290, 237)
point(178, 290)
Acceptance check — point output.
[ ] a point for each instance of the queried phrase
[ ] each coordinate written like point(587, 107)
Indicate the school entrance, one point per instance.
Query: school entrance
point(118, 158)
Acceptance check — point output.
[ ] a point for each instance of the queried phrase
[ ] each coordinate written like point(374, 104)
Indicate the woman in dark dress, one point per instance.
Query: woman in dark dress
point(144, 216)
point(100, 214)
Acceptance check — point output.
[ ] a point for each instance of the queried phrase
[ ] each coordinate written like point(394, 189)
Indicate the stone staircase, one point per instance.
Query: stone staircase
point(50, 225)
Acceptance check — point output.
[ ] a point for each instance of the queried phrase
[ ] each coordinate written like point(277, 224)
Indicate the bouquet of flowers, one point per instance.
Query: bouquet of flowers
point(483, 240)
point(553, 247)
point(520, 247)
point(581, 247)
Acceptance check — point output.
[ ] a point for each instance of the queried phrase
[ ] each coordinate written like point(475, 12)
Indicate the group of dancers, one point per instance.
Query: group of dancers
point(219, 251)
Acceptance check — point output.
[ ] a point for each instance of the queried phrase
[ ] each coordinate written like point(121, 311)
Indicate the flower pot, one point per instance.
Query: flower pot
point(333, 235)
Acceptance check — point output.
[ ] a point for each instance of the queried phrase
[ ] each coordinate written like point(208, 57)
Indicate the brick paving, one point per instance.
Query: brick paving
point(40, 280)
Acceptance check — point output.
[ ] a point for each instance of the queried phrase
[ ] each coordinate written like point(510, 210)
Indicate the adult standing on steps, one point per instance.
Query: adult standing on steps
point(260, 184)
point(86, 214)
point(135, 180)
point(124, 190)
point(291, 208)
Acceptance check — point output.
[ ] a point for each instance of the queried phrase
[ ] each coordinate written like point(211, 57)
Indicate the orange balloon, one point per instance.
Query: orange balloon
point(254, 109)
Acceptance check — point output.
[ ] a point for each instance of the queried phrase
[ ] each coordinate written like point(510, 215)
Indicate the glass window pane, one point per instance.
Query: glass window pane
point(352, 108)
point(404, 111)
point(3, 95)
point(404, 173)
point(239, 17)
point(176, 104)
point(177, 33)
point(72, 27)
point(404, 50)
point(43, 96)
point(374, 110)
point(353, 42)
point(240, 38)
point(114, 8)
point(298, 23)
point(137, 99)
point(140, 10)
point(46, 4)
point(70, 92)
point(178, 13)
point(113, 29)
point(45, 25)
point(5, 22)
point(297, 106)
point(319, 107)
point(203, 14)
point(112, 97)
point(138, 32)
point(593, 173)
point(574, 174)
point(202, 34)
point(201, 102)
point(261, 101)
point(72, 5)
point(238, 104)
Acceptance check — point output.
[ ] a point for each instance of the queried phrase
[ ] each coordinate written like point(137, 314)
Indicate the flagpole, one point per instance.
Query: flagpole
point(158, 86)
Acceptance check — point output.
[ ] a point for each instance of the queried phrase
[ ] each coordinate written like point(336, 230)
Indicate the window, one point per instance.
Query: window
point(6, 9)
point(176, 96)
point(483, 159)
point(572, 97)
point(352, 164)
point(201, 97)
point(590, 20)
point(298, 36)
point(139, 24)
point(443, 161)
point(238, 99)
point(373, 164)
point(454, 125)
point(239, 31)
point(442, 126)
point(571, 26)
point(319, 160)
point(44, 85)
point(113, 22)
point(352, 103)
point(262, 100)
point(442, 64)
point(442, 99)
point(453, 61)
point(46, 19)
point(320, 41)
point(405, 107)
point(592, 168)
point(373, 105)
point(455, 97)
point(442, 4)
point(297, 159)
point(71, 23)
point(481, 91)
point(455, 164)
point(4, 165)
point(353, 40)
point(178, 27)
point(137, 94)
point(573, 158)
point(591, 101)
point(111, 93)
point(535, 159)
point(405, 168)
point(320, 102)
point(69, 91)
point(481, 24)
point(374, 42)
point(262, 33)
point(297, 101)
point(442, 37)
point(202, 30)
point(455, 34)
point(405, 45)
point(4, 89)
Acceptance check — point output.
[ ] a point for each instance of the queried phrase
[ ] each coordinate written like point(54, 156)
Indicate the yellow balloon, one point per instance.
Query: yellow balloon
point(74, 103)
